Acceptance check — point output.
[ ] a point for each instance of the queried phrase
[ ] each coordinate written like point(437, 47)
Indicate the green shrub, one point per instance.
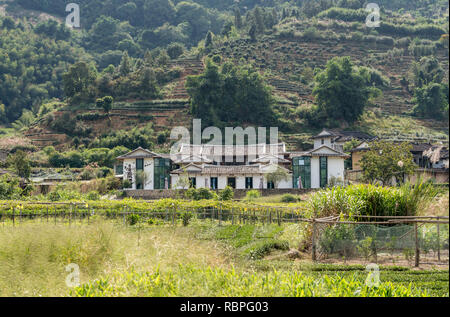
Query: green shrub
point(289, 198)
point(226, 194)
point(133, 219)
point(126, 183)
point(372, 200)
point(199, 194)
point(186, 217)
point(339, 239)
point(54, 196)
point(262, 248)
point(93, 195)
point(252, 194)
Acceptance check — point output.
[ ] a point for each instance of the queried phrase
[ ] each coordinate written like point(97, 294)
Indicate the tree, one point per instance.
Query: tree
point(277, 175)
point(237, 18)
point(227, 28)
point(342, 91)
point(428, 70)
point(107, 103)
point(259, 20)
point(387, 160)
point(430, 94)
point(79, 81)
point(19, 161)
point(158, 12)
point(208, 41)
point(431, 100)
point(252, 32)
point(175, 50)
point(125, 67)
point(230, 93)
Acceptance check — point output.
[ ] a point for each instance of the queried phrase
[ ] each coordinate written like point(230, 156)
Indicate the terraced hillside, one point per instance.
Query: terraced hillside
point(286, 60)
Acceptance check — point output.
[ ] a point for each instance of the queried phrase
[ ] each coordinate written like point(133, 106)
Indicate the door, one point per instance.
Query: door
point(232, 182)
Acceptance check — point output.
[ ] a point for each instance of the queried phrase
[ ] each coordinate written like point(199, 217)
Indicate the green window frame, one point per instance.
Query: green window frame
point(139, 164)
point(323, 162)
point(301, 168)
point(249, 183)
point(193, 182)
point(162, 173)
point(214, 183)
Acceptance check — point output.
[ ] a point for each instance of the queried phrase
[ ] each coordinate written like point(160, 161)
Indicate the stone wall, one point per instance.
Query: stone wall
point(238, 193)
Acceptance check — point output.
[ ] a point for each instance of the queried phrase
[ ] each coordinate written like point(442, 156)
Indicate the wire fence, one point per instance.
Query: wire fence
point(397, 240)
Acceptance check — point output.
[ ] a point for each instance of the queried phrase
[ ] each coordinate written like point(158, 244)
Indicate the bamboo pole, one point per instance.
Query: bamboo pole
point(314, 224)
point(417, 245)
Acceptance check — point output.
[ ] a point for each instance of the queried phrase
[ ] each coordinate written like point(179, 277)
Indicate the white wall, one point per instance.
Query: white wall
point(285, 184)
point(132, 163)
point(318, 142)
point(315, 172)
point(149, 169)
point(335, 167)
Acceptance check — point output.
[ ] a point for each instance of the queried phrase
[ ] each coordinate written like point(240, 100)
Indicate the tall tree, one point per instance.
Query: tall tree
point(19, 161)
point(125, 66)
point(237, 18)
point(386, 161)
point(342, 91)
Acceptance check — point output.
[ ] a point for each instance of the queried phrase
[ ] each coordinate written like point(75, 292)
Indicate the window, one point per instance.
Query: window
point(139, 164)
point(192, 182)
point(323, 171)
point(323, 141)
point(214, 183)
point(162, 173)
point(248, 182)
point(302, 171)
point(232, 182)
point(270, 185)
point(119, 169)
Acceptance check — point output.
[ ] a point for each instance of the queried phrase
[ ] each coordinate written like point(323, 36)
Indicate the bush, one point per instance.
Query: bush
point(372, 200)
point(338, 239)
point(252, 194)
point(226, 194)
point(126, 184)
point(133, 219)
point(93, 195)
point(54, 196)
point(186, 217)
point(289, 198)
point(199, 194)
point(9, 188)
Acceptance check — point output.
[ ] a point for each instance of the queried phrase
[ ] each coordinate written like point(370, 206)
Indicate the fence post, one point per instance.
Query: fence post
point(220, 216)
point(313, 240)
point(438, 241)
point(232, 216)
point(47, 214)
point(278, 217)
point(417, 244)
point(173, 217)
point(13, 216)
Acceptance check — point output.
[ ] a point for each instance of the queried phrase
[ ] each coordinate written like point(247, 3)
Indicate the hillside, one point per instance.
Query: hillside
point(288, 54)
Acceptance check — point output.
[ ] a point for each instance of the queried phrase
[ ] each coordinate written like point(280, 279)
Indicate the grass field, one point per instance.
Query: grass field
point(202, 259)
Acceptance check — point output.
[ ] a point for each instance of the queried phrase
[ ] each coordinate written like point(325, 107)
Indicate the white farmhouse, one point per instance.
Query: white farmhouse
point(239, 166)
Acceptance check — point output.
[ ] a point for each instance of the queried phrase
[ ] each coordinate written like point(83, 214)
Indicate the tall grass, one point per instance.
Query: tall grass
point(407, 200)
point(33, 257)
